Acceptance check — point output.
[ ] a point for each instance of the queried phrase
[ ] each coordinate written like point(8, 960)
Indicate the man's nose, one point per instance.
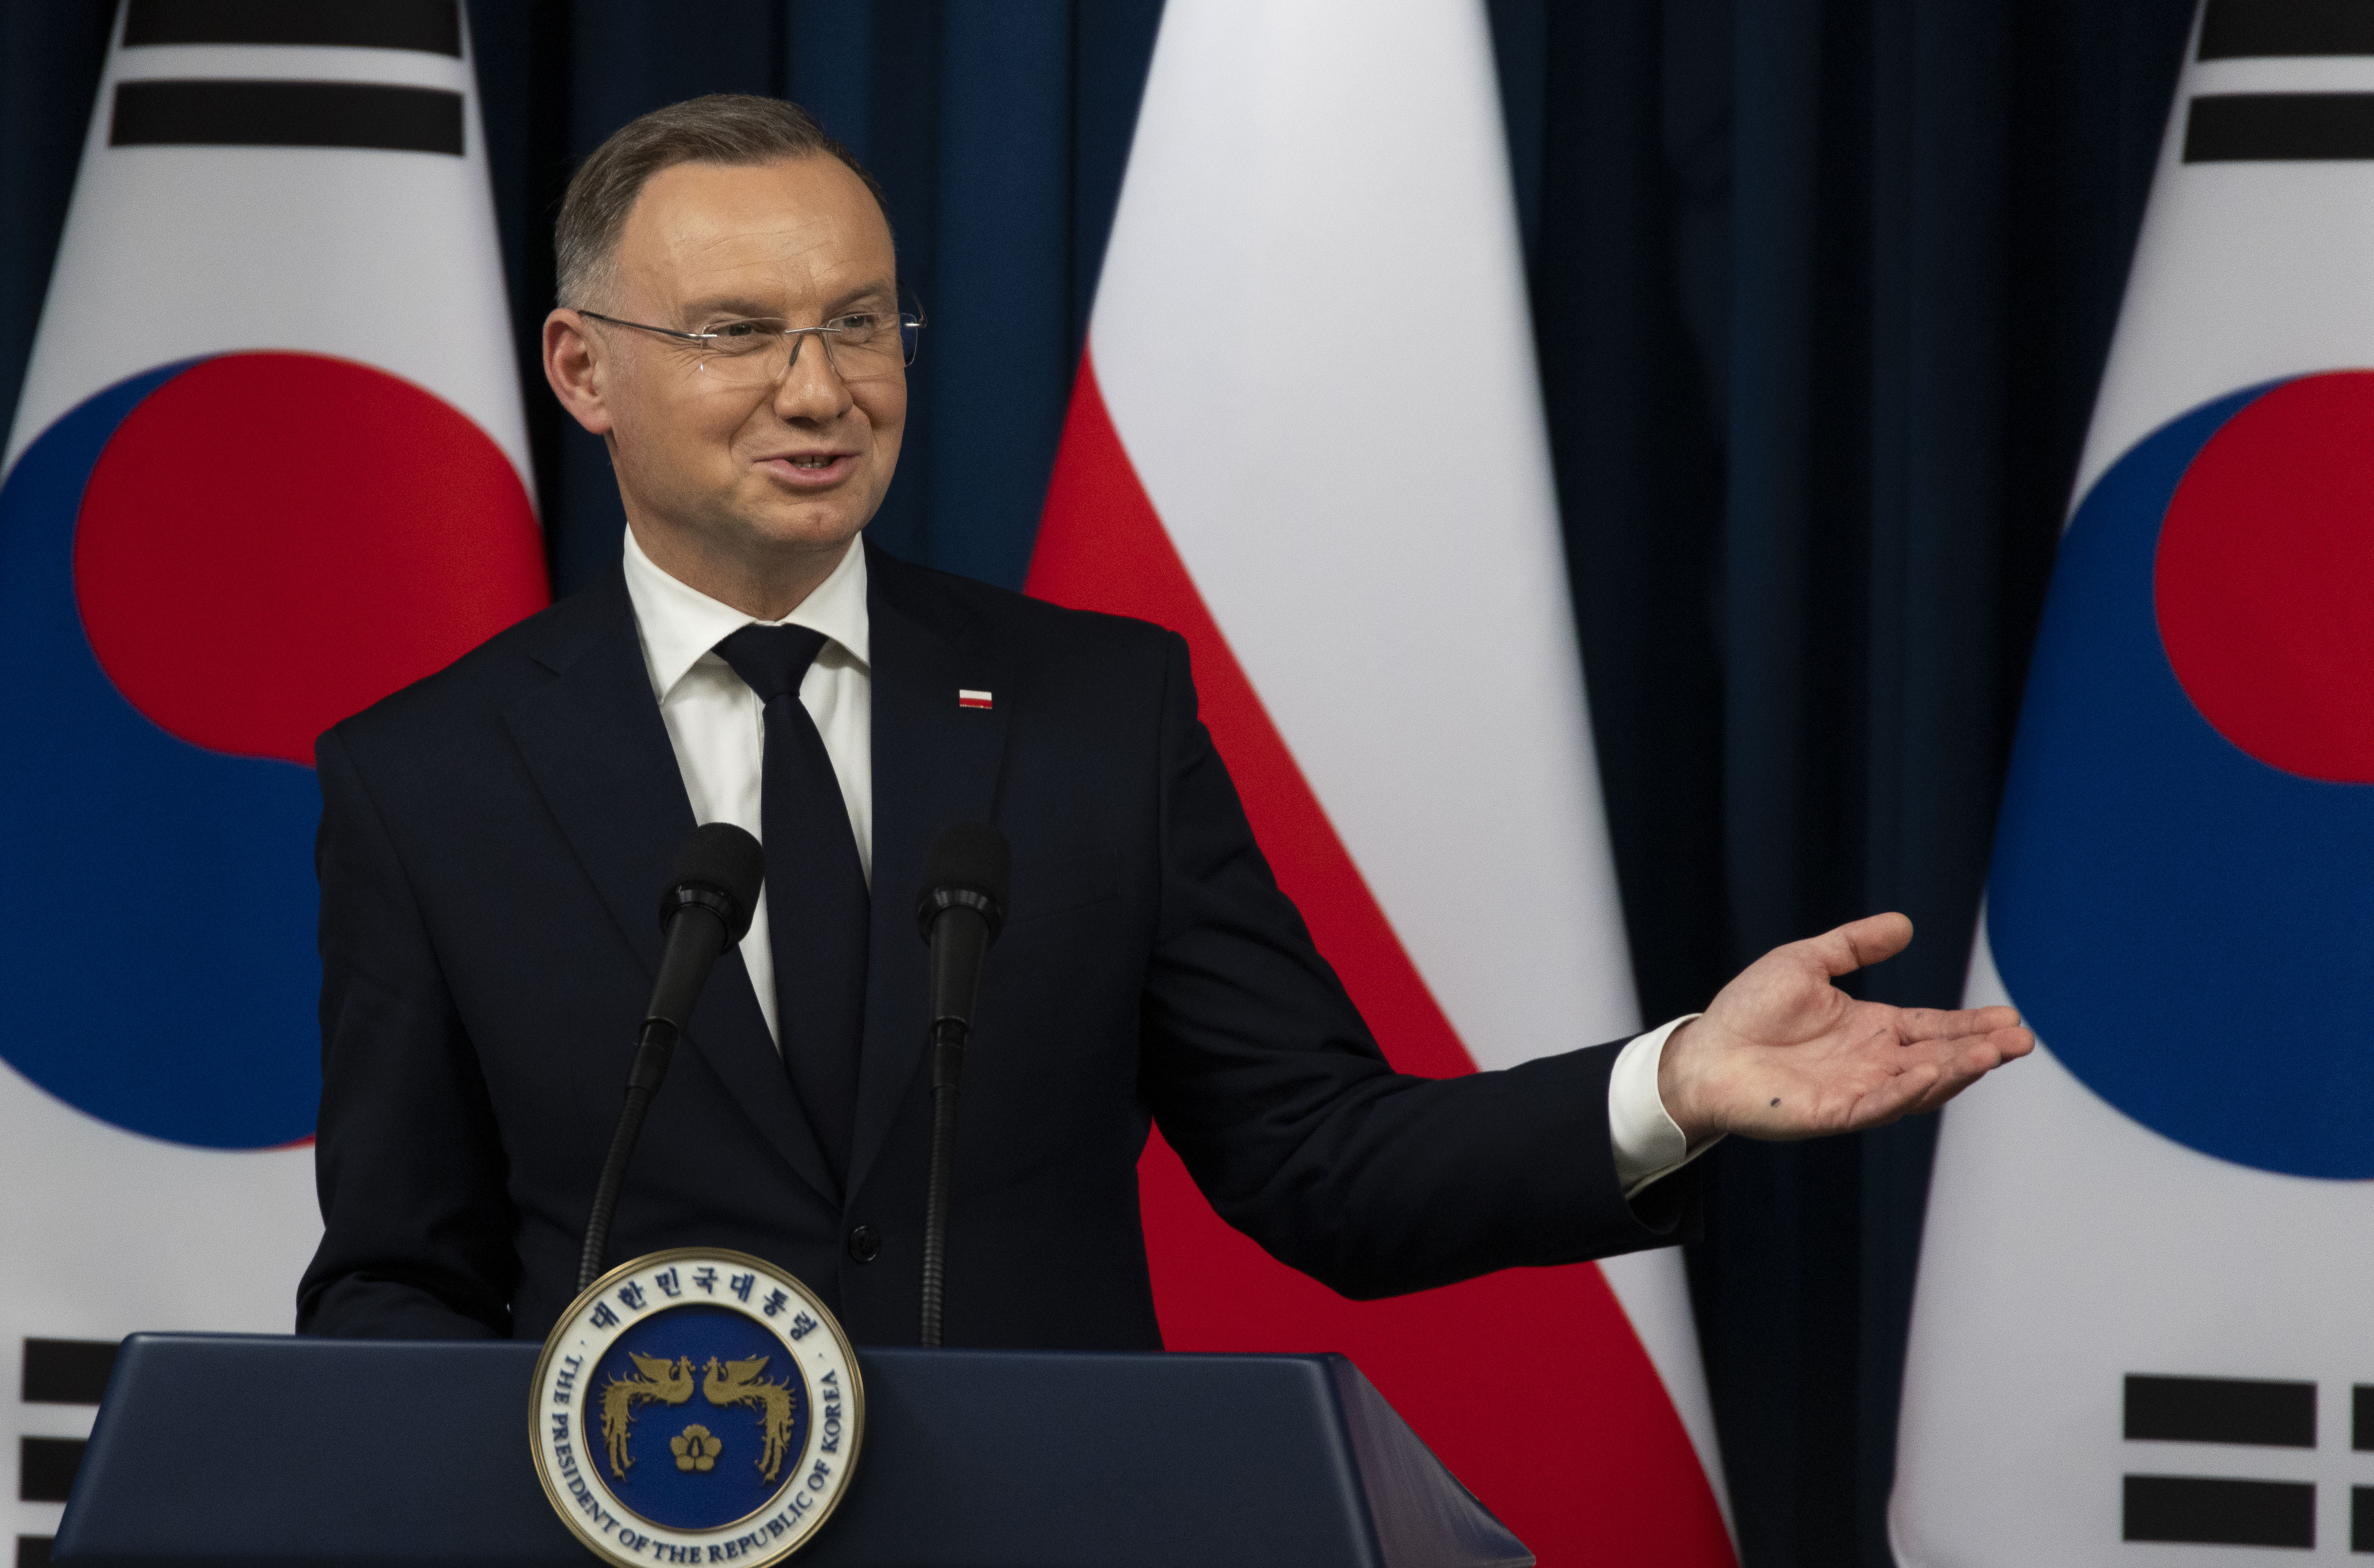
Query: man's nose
point(810, 389)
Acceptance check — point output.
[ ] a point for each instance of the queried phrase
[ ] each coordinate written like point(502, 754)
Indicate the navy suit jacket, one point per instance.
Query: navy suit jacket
point(492, 847)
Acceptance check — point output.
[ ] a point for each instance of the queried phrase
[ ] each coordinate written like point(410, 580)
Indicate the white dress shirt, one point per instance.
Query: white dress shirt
point(719, 730)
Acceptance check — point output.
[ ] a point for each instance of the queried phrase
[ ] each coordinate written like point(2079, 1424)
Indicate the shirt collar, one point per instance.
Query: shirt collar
point(678, 624)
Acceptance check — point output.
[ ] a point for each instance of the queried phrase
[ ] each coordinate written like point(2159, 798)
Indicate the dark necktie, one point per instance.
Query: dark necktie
point(817, 907)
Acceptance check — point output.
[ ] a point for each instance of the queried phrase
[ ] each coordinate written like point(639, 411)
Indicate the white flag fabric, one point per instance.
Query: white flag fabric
point(1308, 435)
point(268, 464)
point(2140, 1329)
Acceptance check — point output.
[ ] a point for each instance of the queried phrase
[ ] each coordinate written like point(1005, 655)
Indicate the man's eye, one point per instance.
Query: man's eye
point(856, 328)
point(729, 331)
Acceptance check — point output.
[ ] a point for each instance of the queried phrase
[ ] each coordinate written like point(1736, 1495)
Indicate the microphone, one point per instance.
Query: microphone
point(959, 913)
point(711, 893)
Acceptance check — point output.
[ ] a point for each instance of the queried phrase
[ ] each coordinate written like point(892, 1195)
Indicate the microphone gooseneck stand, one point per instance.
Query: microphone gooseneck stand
point(947, 1068)
point(652, 1053)
point(705, 911)
point(960, 913)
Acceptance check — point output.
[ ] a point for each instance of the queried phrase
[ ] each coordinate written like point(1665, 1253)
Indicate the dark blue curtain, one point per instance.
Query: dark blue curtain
point(1822, 288)
point(50, 57)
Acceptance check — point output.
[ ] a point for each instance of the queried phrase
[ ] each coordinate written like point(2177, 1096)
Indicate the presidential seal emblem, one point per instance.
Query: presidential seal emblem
point(696, 1406)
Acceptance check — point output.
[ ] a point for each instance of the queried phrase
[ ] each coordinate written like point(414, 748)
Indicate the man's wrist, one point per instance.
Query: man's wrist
point(1679, 1083)
point(1647, 1143)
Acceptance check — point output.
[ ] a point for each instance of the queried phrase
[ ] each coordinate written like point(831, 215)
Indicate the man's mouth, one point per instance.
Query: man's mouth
point(810, 468)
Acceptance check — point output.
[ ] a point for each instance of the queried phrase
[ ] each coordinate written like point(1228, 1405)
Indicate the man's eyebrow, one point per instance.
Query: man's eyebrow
point(726, 305)
point(744, 305)
point(883, 290)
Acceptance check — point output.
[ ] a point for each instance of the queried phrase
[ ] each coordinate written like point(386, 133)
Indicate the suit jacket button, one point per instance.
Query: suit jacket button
point(866, 1244)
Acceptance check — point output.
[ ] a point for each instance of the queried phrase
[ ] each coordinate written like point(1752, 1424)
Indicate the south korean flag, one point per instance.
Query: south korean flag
point(2142, 1330)
point(268, 466)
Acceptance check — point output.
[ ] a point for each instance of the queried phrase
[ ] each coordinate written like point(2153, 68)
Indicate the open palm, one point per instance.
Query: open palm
point(1781, 1053)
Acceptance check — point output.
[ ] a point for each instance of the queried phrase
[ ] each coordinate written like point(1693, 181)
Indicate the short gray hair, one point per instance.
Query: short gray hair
point(737, 130)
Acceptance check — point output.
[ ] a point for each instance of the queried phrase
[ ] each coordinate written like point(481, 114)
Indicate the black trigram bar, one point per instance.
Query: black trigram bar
point(2221, 1409)
point(2361, 1518)
point(46, 1467)
point(264, 113)
point(67, 1372)
point(2234, 29)
point(2279, 127)
point(32, 1551)
point(433, 26)
point(2212, 1511)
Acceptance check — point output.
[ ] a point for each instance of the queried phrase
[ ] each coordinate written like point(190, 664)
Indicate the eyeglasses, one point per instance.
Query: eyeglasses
point(759, 351)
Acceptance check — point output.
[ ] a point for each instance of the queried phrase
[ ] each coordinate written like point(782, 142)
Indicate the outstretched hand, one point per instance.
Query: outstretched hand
point(1780, 1053)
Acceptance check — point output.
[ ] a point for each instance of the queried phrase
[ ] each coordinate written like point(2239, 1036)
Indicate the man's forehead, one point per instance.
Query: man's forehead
point(800, 225)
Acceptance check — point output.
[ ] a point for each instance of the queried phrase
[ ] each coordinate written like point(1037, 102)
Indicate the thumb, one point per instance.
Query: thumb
point(1860, 943)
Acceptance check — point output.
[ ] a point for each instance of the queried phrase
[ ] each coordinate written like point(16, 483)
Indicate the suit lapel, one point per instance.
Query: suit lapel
point(934, 764)
point(593, 741)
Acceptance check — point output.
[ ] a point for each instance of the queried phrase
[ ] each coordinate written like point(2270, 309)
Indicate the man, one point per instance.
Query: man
point(494, 839)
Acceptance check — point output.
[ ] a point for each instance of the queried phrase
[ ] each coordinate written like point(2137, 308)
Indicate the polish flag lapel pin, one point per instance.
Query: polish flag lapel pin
point(969, 698)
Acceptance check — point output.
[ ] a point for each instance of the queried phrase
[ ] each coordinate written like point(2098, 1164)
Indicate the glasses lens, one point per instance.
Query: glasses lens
point(860, 348)
point(865, 346)
point(742, 353)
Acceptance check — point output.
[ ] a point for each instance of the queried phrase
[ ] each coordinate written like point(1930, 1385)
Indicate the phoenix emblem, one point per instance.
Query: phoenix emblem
point(738, 1382)
point(659, 1380)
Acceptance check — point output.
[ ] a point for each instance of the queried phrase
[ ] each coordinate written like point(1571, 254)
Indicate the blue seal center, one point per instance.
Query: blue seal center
point(696, 1417)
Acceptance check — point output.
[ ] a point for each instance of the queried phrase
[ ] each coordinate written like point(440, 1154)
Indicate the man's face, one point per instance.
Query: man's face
point(742, 471)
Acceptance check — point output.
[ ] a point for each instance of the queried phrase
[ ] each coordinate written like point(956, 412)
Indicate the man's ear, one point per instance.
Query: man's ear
point(572, 364)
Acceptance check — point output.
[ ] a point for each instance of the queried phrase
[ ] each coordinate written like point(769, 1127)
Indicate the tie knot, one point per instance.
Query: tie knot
point(771, 659)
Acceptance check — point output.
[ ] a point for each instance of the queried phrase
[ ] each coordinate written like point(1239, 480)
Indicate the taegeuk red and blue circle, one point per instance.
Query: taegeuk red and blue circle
point(2182, 895)
point(202, 568)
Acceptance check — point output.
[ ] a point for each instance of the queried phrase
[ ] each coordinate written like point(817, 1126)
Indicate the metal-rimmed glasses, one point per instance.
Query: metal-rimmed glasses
point(759, 350)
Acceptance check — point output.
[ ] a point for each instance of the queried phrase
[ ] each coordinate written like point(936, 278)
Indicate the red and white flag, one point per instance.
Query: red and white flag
point(1308, 436)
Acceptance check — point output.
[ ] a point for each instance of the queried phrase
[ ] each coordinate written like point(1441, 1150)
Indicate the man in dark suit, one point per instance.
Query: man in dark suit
point(494, 840)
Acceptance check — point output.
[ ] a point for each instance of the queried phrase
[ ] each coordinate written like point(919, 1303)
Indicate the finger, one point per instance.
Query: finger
point(1860, 942)
point(1935, 1023)
point(1936, 1096)
point(1990, 1051)
point(1901, 1096)
point(1971, 1063)
point(1975, 1054)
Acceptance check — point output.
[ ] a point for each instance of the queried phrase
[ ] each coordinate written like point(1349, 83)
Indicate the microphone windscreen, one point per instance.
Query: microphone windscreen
point(726, 860)
point(973, 856)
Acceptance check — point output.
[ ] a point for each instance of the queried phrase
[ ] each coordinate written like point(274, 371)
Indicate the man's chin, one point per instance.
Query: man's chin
point(740, 525)
point(812, 525)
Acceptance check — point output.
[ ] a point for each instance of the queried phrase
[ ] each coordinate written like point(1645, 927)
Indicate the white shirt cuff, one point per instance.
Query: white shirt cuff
point(1648, 1144)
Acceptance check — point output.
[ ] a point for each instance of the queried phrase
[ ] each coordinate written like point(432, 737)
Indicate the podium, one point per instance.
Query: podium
point(225, 1450)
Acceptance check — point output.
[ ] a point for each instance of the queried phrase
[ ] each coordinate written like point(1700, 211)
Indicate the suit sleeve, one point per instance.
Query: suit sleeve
point(1262, 1075)
point(416, 1228)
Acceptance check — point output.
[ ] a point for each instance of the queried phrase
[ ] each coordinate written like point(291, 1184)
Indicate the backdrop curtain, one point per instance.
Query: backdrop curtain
point(1822, 288)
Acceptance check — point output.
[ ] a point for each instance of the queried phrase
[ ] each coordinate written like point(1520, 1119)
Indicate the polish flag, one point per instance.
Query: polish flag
point(267, 467)
point(1308, 436)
